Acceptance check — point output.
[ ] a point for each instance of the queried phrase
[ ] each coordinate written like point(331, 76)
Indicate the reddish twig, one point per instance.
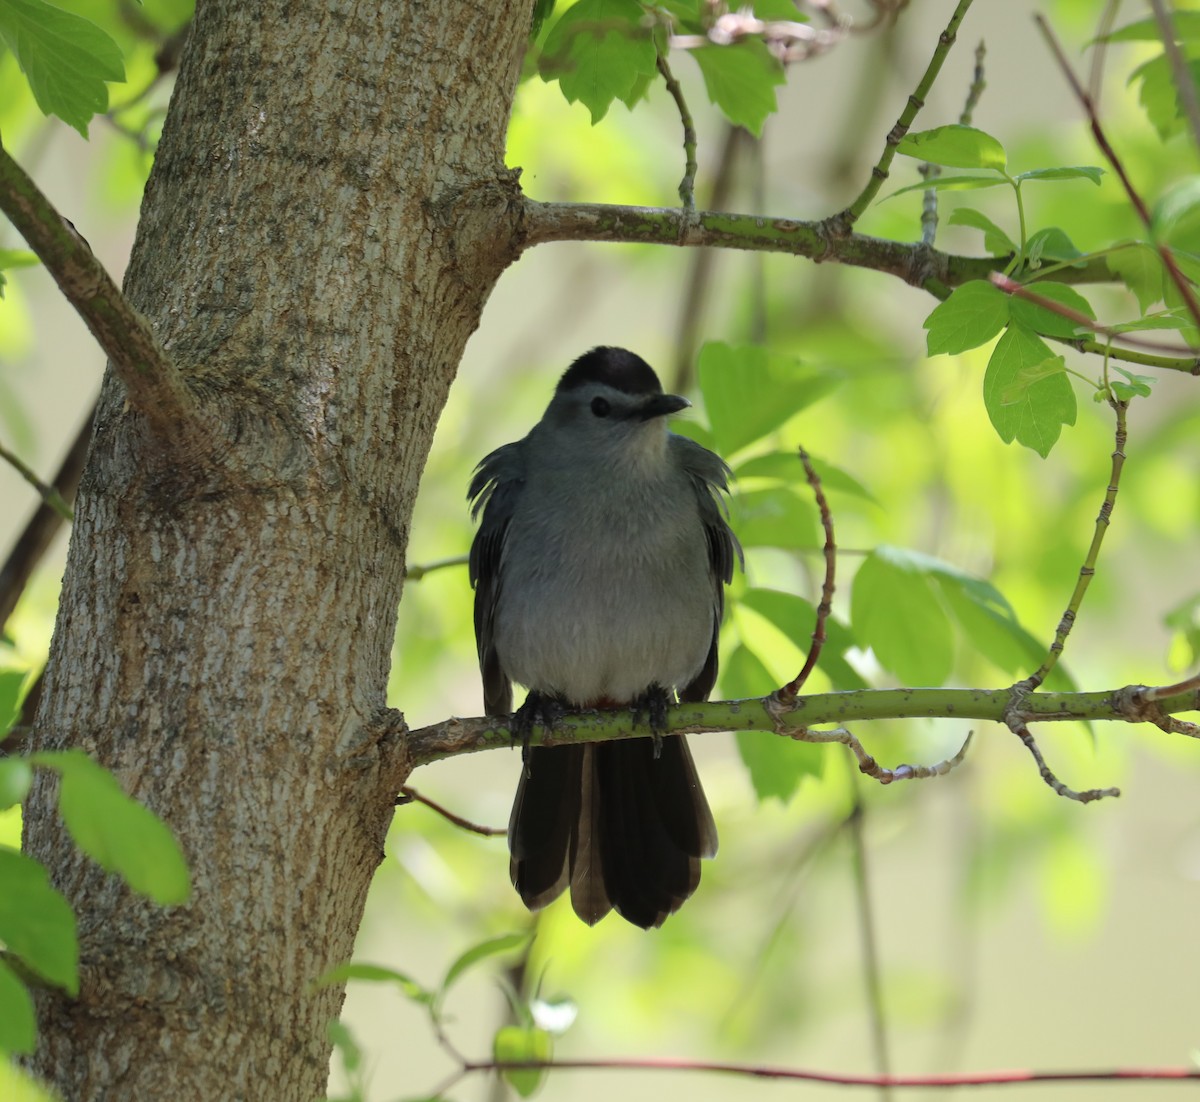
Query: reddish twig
point(1177, 277)
point(789, 691)
point(1184, 85)
point(410, 795)
point(1020, 290)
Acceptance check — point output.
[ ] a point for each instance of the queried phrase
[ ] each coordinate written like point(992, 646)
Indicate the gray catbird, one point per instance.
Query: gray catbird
point(598, 569)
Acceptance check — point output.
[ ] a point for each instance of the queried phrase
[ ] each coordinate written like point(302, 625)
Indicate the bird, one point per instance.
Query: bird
point(599, 568)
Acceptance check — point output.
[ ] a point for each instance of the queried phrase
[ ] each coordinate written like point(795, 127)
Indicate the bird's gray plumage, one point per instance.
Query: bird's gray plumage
point(599, 568)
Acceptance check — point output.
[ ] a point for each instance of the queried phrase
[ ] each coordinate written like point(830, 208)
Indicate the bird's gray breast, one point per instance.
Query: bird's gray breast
point(605, 592)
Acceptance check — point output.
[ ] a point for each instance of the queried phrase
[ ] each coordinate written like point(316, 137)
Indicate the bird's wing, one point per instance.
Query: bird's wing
point(494, 492)
point(710, 476)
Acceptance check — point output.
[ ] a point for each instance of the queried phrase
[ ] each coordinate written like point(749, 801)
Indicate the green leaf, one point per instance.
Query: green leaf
point(1036, 417)
point(36, 922)
point(594, 66)
point(786, 467)
point(343, 1040)
point(15, 1085)
point(374, 973)
point(1045, 321)
point(775, 517)
point(1140, 268)
point(117, 832)
point(1185, 23)
point(971, 316)
point(514, 1044)
point(15, 779)
point(750, 392)
point(1027, 376)
point(65, 58)
point(1175, 220)
point(1135, 386)
point(952, 183)
point(1064, 172)
point(741, 81)
point(895, 611)
point(18, 1033)
point(1184, 621)
point(1158, 93)
point(995, 240)
point(1049, 244)
point(795, 617)
point(489, 948)
point(955, 147)
point(11, 683)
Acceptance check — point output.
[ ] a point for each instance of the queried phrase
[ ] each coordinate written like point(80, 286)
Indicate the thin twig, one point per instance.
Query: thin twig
point(1163, 691)
point(789, 691)
point(1100, 51)
point(408, 795)
point(48, 493)
point(841, 223)
point(153, 384)
point(871, 768)
point(1139, 204)
point(1088, 569)
point(1020, 290)
point(1021, 730)
point(1184, 85)
point(417, 572)
point(687, 186)
point(869, 943)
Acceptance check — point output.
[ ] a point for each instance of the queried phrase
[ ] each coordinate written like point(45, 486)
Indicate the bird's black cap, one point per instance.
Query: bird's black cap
point(614, 367)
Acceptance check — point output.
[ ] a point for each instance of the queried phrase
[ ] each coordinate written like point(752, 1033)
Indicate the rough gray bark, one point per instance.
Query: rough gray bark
point(327, 214)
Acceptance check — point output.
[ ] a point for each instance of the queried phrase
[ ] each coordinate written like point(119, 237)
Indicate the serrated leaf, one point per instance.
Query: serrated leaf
point(489, 948)
point(374, 973)
point(1064, 172)
point(953, 183)
point(1036, 418)
point(514, 1044)
point(118, 833)
point(895, 611)
point(65, 58)
point(1045, 321)
point(1158, 93)
point(1135, 386)
point(749, 392)
point(1175, 220)
point(741, 81)
point(36, 922)
point(995, 240)
point(594, 66)
point(1140, 268)
point(972, 315)
point(18, 1032)
point(1050, 243)
point(1185, 23)
point(955, 146)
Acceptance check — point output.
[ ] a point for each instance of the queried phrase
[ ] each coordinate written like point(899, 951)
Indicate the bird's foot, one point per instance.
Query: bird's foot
point(653, 703)
point(539, 710)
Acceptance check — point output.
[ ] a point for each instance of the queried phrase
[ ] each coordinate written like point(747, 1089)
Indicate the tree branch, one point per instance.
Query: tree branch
point(153, 384)
point(1131, 704)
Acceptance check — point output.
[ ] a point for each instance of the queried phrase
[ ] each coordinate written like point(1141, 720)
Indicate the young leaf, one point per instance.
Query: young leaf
point(514, 1044)
point(118, 833)
point(971, 316)
point(36, 922)
point(595, 66)
point(65, 58)
point(895, 611)
point(741, 81)
point(995, 240)
point(955, 147)
point(1036, 417)
point(1064, 172)
point(750, 392)
point(18, 1033)
point(1050, 244)
point(1135, 385)
point(1045, 321)
point(482, 951)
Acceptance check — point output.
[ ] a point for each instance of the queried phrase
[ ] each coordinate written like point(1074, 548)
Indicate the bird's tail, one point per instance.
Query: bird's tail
point(625, 829)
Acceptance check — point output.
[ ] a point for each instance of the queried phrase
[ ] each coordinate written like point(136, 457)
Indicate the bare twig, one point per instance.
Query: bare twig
point(409, 795)
point(870, 767)
point(842, 223)
point(43, 526)
point(153, 385)
point(48, 493)
point(417, 572)
point(687, 186)
point(1177, 277)
point(1088, 569)
point(788, 693)
point(1021, 730)
point(1184, 85)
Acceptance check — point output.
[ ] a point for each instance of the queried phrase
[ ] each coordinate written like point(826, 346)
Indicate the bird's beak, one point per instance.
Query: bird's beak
point(659, 405)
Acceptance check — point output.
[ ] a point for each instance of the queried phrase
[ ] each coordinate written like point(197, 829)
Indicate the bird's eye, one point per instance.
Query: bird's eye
point(600, 407)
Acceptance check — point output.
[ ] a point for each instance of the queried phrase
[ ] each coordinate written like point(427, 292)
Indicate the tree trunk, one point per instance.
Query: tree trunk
point(327, 214)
